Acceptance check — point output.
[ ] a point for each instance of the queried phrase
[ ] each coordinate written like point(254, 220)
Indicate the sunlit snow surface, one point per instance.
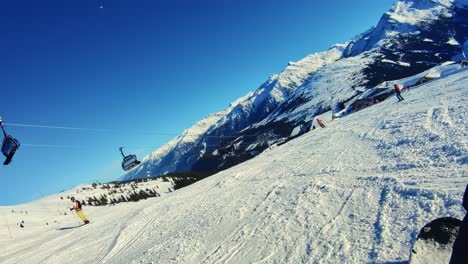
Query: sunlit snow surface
point(357, 191)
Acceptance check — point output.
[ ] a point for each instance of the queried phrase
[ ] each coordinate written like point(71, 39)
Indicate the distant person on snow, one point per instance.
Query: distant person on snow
point(460, 246)
point(398, 92)
point(320, 122)
point(406, 88)
point(79, 211)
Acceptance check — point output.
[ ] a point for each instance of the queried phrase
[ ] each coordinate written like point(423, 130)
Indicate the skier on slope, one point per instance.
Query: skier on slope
point(459, 252)
point(320, 122)
point(79, 211)
point(398, 92)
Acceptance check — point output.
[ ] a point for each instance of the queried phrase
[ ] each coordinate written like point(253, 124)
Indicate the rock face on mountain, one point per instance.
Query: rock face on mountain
point(410, 38)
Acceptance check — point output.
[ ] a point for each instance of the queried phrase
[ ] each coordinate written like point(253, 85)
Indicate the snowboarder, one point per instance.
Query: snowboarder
point(79, 211)
point(398, 92)
point(320, 122)
point(459, 252)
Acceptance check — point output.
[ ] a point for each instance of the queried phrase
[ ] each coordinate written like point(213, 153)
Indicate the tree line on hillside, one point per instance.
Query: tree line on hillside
point(133, 196)
point(179, 180)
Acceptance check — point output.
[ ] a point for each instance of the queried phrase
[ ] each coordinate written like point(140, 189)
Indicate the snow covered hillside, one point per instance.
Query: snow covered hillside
point(413, 36)
point(357, 191)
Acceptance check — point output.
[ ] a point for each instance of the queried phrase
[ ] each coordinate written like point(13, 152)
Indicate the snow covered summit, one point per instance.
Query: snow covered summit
point(424, 20)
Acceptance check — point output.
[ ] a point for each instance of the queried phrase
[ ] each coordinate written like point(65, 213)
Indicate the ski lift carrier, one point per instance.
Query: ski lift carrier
point(9, 145)
point(129, 162)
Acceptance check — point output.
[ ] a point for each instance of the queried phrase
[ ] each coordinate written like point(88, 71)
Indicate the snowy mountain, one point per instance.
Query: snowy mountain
point(357, 191)
point(410, 38)
point(415, 20)
point(183, 151)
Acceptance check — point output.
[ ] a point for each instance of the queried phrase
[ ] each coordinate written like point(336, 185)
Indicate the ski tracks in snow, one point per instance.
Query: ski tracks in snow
point(125, 237)
point(248, 233)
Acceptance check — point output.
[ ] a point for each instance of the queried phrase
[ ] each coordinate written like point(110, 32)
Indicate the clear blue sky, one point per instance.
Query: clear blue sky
point(141, 66)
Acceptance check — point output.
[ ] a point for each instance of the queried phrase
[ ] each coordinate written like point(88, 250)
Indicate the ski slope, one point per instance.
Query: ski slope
point(357, 191)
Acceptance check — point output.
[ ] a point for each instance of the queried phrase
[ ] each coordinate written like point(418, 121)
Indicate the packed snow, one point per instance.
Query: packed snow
point(357, 191)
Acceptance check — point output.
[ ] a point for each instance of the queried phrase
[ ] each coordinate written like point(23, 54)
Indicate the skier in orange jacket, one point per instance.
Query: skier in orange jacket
point(320, 122)
point(398, 92)
point(79, 211)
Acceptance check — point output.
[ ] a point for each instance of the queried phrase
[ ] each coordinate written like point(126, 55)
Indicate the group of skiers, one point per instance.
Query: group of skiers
point(397, 90)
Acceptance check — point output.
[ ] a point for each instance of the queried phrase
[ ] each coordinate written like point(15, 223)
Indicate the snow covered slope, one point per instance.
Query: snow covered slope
point(357, 191)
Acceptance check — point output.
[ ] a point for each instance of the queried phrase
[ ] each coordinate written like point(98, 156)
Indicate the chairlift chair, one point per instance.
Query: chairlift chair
point(9, 145)
point(129, 162)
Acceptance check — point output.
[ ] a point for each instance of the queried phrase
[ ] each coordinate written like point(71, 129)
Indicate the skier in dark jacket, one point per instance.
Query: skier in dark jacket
point(460, 246)
point(398, 92)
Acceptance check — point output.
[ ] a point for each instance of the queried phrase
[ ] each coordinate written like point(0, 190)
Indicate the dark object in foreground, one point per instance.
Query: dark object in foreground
point(435, 240)
point(460, 246)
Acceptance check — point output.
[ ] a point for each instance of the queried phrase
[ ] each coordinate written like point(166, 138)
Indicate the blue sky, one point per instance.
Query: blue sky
point(140, 69)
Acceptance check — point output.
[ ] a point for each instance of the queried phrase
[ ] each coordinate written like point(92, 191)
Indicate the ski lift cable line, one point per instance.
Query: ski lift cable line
point(89, 147)
point(52, 146)
point(90, 129)
point(104, 130)
point(74, 146)
point(134, 147)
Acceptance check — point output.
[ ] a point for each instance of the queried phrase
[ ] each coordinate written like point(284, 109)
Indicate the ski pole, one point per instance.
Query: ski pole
point(6, 219)
point(76, 218)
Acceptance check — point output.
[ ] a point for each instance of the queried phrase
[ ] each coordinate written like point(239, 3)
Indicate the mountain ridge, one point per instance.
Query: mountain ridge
point(410, 38)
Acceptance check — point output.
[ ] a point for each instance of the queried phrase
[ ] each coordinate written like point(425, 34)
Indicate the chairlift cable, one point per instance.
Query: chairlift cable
point(104, 130)
point(90, 129)
point(52, 146)
point(73, 146)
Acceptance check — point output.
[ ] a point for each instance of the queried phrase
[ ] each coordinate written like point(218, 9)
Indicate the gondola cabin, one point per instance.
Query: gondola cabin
point(129, 162)
point(9, 145)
